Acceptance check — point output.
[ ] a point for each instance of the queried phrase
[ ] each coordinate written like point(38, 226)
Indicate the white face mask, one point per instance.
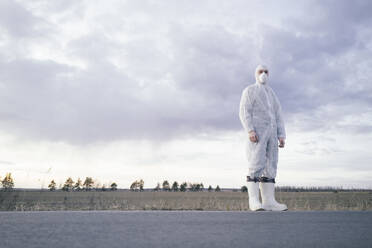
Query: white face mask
point(263, 77)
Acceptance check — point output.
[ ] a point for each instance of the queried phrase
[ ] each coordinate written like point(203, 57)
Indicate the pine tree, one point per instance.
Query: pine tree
point(88, 183)
point(175, 186)
point(218, 188)
point(210, 188)
point(52, 186)
point(134, 186)
point(201, 187)
point(78, 185)
point(68, 184)
point(140, 184)
point(114, 186)
point(8, 182)
point(244, 188)
point(166, 185)
point(183, 187)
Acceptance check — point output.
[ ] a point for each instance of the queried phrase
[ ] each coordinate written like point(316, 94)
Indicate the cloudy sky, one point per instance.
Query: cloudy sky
point(123, 90)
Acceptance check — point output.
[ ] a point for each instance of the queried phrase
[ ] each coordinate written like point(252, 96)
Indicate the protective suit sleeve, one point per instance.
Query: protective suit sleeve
point(245, 111)
point(279, 118)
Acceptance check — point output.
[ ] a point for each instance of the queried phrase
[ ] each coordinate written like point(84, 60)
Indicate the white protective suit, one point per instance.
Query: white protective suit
point(260, 111)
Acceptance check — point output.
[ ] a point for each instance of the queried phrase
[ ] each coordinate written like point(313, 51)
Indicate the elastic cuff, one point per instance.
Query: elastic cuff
point(266, 180)
point(254, 179)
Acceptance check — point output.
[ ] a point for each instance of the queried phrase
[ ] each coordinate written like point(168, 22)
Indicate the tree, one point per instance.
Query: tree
point(183, 187)
point(175, 186)
point(244, 188)
point(141, 183)
point(166, 185)
point(192, 187)
point(196, 187)
point(210, 188)
point(103, 187)
point(68, 184)
point(137, 185)
point(88, 183)
point(78, 185)
point(114, 186)
point(218, 188)
point(8, 182)
point(157, 188)
point(134, 186)
point(52, 186)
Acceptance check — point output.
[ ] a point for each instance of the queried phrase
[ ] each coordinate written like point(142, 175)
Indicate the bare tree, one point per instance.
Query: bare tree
point(157, 188)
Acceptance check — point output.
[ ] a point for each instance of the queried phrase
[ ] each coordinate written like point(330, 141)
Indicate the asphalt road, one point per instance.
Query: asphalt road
point(54, 229)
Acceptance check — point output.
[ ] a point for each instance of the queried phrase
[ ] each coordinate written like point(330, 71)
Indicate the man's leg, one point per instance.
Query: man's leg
point(267, 180)
point(256, 155)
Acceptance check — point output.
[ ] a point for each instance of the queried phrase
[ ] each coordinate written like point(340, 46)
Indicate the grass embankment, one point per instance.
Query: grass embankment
point(124, 200)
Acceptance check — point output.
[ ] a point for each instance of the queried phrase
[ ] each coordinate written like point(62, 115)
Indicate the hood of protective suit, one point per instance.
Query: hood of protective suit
point(257, 76)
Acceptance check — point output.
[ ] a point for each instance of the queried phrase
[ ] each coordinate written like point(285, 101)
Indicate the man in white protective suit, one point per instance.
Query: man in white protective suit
point(261, 116)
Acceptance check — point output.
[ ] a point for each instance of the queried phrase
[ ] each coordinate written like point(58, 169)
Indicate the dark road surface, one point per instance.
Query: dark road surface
point(55, 229)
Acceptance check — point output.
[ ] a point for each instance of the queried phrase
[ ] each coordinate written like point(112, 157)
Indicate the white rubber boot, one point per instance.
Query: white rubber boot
point(254, 196)
point(268, 198)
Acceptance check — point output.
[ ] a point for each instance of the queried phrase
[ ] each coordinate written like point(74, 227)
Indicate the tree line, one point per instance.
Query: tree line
point(7, 184)
point(89, 184)
point(138, 185)
point(165, 186)
point(79, 185)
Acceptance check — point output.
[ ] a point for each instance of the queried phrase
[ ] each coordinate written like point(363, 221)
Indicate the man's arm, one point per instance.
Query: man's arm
point(245, 111)
point(279, 118)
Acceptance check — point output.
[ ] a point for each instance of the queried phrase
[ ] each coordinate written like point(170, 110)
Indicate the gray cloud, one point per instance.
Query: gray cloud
point(19, 22)
point(147, 74)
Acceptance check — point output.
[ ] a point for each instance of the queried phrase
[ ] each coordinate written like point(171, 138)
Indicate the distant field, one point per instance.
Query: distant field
point(126, 200)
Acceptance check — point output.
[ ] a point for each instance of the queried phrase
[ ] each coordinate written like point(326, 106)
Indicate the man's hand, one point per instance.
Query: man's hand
point(253, 136)
point(281, 142)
